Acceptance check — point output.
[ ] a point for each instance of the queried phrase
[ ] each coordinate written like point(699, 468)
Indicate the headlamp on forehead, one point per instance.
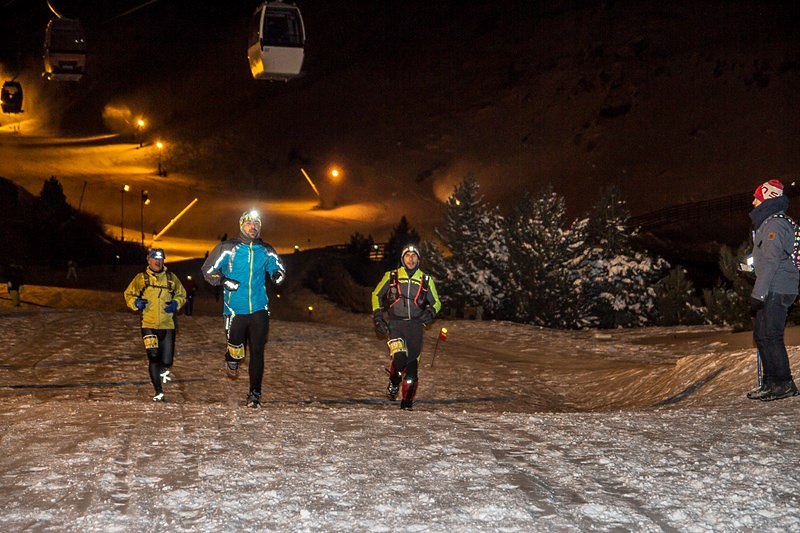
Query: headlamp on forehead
point(156, 253)
point(411, 249)
point(250, 216)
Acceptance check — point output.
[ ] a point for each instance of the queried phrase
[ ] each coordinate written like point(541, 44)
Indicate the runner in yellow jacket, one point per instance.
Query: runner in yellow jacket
point(158, 295)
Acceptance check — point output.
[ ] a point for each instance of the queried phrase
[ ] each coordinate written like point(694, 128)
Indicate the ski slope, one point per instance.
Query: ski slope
point(515, 428)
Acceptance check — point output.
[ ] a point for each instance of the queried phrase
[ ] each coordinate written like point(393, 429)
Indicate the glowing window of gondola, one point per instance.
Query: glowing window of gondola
point(64, 49)
point(275, 46)
point(11, 97)
point(65, 36)
point(283, 27)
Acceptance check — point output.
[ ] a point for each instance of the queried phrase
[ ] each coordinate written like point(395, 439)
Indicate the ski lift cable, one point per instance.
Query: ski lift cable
point(115, 17)
point(130, 11)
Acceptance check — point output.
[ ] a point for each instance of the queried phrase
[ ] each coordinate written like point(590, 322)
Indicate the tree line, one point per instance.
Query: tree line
point(535, 265)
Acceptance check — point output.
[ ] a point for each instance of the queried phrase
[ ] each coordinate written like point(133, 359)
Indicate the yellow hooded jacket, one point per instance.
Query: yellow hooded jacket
point(158, 289)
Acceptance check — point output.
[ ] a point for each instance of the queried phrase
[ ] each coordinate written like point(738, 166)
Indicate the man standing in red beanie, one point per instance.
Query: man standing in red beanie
point(775, 288)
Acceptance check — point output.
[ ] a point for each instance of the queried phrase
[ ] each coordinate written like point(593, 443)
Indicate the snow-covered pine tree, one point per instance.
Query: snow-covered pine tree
point(477, 269)
point(677, 303)
point(728, 303)
point(435, 265)
point(609, 228)
point(544, 262)
point(618, 281)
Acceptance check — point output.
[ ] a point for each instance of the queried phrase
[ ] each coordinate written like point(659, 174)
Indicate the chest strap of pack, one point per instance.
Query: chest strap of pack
point(422, 293)
point(393, 296)
point(170, 285)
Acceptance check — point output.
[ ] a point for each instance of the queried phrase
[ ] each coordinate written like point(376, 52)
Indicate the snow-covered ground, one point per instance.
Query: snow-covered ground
point(515, 428)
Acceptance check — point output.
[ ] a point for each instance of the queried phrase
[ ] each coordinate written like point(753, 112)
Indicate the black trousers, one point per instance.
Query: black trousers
point(160, 347)
point(406, 365)
point(251, 330)
point(188, 307)
point(768, 333)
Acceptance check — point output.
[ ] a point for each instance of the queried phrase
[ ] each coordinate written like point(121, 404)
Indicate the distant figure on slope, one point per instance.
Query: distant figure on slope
point(191, 290)
point(775, 288)
point(72, 270)
point(16, 279)
point(158, 294)
point(241, 266)
point(412, 302)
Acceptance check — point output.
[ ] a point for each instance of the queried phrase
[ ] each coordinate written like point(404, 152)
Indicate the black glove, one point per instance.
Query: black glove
point(756, 305)
point(381, 327)
point(230, 284)
point(277, 277)
point(427, 316)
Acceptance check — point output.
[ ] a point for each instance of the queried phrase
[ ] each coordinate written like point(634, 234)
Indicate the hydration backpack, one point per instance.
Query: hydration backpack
point(795, 253)
point(171, 279)
point(393, 295)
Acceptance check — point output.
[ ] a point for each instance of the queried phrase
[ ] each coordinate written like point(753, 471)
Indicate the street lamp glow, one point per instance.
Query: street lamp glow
point(335, 174)
point(125, 188)
point(161, 170)
point(139, 128)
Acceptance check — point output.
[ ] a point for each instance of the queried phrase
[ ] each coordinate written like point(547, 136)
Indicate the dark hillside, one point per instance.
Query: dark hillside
point(674, 102)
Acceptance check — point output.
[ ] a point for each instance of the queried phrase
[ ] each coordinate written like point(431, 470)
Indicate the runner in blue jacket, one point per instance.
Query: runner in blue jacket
point(241, 266)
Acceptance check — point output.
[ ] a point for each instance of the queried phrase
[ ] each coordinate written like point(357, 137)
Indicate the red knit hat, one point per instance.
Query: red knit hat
point(768, 190)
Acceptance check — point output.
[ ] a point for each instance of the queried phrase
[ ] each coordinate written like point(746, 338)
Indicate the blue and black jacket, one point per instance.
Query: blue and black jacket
point(249, 264)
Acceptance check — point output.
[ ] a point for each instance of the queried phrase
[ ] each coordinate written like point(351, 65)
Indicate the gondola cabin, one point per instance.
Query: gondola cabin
point(64, 50)
point(11, 97)
point(277, 37)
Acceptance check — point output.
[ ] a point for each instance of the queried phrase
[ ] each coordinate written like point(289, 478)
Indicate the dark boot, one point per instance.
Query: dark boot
point(778, 392)
point(409, 391)
point(253, 399)
point(391, 391)
point(232, 368)
point(757, 393)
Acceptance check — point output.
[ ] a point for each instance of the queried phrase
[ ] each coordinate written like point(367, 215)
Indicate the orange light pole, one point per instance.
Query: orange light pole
point(145, 200)
point(139, 127)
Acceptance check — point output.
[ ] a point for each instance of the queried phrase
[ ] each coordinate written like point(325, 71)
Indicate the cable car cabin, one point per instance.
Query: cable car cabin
point(64, 50)
point(11, 97)
point(277, 37)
